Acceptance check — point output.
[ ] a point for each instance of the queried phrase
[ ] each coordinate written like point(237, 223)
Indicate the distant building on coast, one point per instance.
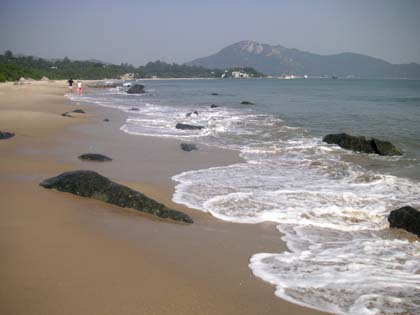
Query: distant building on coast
point(235, 74)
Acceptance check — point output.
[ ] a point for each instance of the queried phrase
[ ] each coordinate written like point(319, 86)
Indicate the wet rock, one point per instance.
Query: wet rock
point(77, 111)
point(188, 127)
point(188, 115)
point(214, 106)
point(406, 218)
point(195, 112)
point(247, 103)
point(188, 147)
point(94, 157)
point(136, 89)
point(134, 109)
point(6, 135)
point(215, 94)
point(361, 144)
point(93, 185)
point(384, 147)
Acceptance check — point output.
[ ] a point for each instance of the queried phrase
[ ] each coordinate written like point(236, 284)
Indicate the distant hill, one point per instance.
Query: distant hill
point(278, 60)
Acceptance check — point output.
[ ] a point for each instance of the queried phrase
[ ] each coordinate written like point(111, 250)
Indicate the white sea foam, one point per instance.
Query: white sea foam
point(332, 213)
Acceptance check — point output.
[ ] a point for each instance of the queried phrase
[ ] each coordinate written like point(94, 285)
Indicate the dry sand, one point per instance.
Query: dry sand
point(62, 254)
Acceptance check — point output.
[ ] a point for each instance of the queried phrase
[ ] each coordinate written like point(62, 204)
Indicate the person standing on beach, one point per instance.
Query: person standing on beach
point(80, 87)
point(70, 82)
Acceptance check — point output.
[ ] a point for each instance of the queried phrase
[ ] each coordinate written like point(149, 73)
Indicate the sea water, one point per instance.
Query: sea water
point(331, 205)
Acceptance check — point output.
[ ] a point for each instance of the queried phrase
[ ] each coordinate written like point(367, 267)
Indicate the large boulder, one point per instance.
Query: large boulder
point(94, 157)
point(361, 144)
point(406, 218)
point(136, 89)
point(6, 135)
point(188, 127)
point(93, 185)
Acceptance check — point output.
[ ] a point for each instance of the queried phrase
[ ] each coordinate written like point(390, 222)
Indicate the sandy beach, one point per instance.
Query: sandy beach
point(63, 254)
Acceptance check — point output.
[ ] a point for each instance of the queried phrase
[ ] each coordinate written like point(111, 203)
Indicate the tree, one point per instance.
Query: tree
point(8, 54)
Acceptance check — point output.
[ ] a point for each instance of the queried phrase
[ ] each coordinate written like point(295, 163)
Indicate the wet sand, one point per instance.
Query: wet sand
point(63, 254)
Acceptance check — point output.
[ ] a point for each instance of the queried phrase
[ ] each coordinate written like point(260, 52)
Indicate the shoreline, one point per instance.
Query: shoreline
point(72, 255)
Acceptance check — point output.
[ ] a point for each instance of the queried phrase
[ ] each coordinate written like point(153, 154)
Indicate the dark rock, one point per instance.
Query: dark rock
point(406, 218)
point(349, 142)
point(247, 103)
point(188, 147)
point(134, 109)
point(361, 144)
point(214, 94)
point(106, 119)
point(188, 127)
point(79, 111)
point(188, 115)
point(136, 89)
point(214, 106)
point(384, 147)
point(93, 185)
point(6, 135)
point(94, 157)
point(195, 112)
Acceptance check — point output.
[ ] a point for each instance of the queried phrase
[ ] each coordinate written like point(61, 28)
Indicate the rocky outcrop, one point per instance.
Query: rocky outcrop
point(406, 218)
point(247, 103)
point(188, 147)
point(361, 144)
point(188, 127)
point(136, 89)
point(94, 157)
point(6, 135)
point(214, 106)
point(93, 185)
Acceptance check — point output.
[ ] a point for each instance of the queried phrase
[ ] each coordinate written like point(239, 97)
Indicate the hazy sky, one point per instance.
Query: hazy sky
point(182, 30)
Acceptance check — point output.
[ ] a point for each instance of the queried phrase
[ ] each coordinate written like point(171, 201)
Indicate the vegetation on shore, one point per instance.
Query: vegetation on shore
point(13, 67)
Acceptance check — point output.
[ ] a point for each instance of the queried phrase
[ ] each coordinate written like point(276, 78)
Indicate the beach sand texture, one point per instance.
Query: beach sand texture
point(63, 254)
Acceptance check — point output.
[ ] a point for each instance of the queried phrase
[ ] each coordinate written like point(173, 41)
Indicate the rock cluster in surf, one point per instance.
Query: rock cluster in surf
point(136, 89)
point(93, 185)
point(361, 144)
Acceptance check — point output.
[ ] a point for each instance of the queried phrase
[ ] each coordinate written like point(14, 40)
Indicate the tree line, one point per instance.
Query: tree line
point(13, 67)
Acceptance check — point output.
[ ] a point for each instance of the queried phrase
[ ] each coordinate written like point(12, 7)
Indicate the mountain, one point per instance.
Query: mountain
point(278, 60)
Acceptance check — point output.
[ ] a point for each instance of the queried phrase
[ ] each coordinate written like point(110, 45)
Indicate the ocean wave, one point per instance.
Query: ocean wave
point(332, 212)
